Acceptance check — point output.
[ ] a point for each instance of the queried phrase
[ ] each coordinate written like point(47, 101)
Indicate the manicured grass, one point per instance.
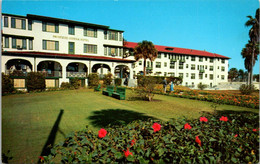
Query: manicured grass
point(30, 120)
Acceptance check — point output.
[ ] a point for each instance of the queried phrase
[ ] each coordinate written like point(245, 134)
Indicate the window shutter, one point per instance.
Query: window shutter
point(57, 45)
point(23, 24)
point(29, 24)
point(44, 45)
point(43, 26)
point(6, 42)
point(105, 34)
point(116, 51)
point(95, 49)
point(5, 21)
point(30, 44)
point(95, 33)
point(13, 43)
point(13, 22)
point(109, 35)
point(109, 51)
point(105, 51)
point(116, 35)
point(85, 31)
point(24, 43)
point(57, 28)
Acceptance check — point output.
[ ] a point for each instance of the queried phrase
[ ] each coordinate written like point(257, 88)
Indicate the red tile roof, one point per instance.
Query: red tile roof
point(179, 50)
point(36, 53)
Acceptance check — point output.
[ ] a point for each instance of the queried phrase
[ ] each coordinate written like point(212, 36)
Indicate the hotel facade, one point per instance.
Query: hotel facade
point(64, 49)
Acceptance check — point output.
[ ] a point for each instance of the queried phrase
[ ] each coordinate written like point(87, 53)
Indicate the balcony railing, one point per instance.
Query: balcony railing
point(76, 74)
point(202, 70)
point(50, 73)
point(149, 68)
point(173, 60)
point(182, 60)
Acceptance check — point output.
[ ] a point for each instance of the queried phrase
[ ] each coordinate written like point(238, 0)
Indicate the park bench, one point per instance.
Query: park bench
point(97, 88)
point(120, 93)
point(109, 90)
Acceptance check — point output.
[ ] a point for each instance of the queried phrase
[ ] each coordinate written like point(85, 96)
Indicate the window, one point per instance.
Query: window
point(181, 75)
point(71, 30)
point(112, 35)
point(5, 21)
point(105, 51)
point(29, 24)
point(6, 42)
point(211, 68)
point(158, 65)
point(200, 76)
point(187, 57)
point(172, 65)
point(187, 65)
point(165, 55)
point(18, 23)
point(206, 67)
point(71, 48)
point(187, 74)
point(223, 61)
point(30, 44)
point(180, 65)
point(90, 32)
point(112, 51)
point(50, 45)
point(206, 59)
point(159, 56)
point(198, 67)
point(193, 58)
point(223, 69)
point(140, 62)
point(105, 35)
point(192, 76)
point(120, 36)
point(50, 27)
point(120, 51)
point(222, 77)
point(165, 73)
point(193, 67)
point(206, 75)
point(211, 60)
point(89, 48)
point(165, 64)
point(218, 67)
point(18, 43)
point(211, 76)
point(200, 59)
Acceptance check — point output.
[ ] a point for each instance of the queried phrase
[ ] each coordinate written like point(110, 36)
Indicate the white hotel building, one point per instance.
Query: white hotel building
point(64, 49)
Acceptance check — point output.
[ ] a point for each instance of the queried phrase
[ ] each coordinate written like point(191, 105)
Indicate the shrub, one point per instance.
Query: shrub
point(246, 89)
point(65, 85)
point(159, 79)
point(229, 138)
point(107, 79)
point(35, 81)
point(146, 87)
point(7, 84)
point(202, 86)
point(75, 83)
point(93, 79)
point(118, 81)
point(175, 80)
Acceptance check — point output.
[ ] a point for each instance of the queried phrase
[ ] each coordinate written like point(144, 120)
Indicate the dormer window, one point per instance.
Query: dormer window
point(169, 49)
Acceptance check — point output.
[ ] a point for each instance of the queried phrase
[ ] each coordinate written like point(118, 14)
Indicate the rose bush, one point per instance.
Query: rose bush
point(233, 141)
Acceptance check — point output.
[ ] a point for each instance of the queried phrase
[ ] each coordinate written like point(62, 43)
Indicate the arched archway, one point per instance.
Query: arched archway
point(121, 71)
point(76, 69)
point(50, 68)
point(101, 69)
point(18, 66)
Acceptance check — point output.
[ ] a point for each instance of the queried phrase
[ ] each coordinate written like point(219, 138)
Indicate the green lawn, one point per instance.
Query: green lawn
point(29, 121)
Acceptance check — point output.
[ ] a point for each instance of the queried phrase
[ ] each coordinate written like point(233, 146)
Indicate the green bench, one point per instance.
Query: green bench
point(109, 90)
point(97, 88)
point(120, 93)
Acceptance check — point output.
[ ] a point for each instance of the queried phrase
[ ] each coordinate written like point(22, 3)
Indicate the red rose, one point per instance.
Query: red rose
point(132, 142)
point(235, 135)
point(198, 140)
point(41, 158)
point(102, 133)
point(156, 127)
point(254, 130)
point(223, 118)
point(187, 126)
point(127, 153)
point(203, 119)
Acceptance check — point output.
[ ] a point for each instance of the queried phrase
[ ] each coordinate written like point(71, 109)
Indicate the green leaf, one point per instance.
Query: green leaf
point(212, 139)
point(130, 158)
point(142, 160)
point(160, 151)
point(118, 155)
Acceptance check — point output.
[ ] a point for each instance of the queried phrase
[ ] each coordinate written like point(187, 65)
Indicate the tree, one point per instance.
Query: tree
point(254, 41)
point(241, 75)
point(232, 74)
point(256, 77)
point(145, 50)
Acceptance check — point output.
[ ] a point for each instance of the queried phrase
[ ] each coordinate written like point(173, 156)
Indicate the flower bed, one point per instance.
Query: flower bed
point(221, 98)
point(229, 138)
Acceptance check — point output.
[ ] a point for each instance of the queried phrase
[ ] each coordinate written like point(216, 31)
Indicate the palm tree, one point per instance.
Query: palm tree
point(250, 53)
point(145, 50)
point(232, 74)
point(254, 40)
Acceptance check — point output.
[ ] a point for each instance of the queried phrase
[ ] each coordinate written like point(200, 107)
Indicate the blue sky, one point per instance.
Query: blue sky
point(213, 25)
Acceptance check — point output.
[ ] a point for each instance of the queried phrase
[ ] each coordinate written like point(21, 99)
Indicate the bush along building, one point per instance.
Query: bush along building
point(65, 49)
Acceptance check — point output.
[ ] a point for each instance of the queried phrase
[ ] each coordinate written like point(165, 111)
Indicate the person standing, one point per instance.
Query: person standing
point(164, 84)
point(171, 86)
point(126, 81)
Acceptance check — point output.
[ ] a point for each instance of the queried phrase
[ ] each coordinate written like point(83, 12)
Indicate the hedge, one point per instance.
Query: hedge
point(213, 138)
